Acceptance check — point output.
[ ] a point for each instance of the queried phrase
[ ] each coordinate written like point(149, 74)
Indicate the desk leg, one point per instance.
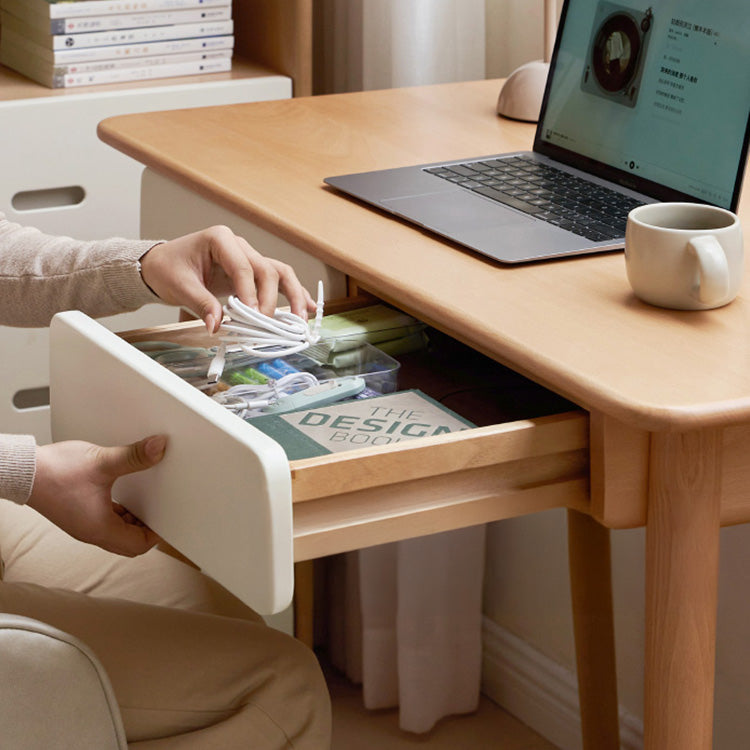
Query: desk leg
point(591, 589)
point(682, 561)
point(304, 596)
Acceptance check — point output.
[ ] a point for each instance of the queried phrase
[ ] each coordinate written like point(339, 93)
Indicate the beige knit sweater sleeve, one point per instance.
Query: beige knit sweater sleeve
point(41, 275)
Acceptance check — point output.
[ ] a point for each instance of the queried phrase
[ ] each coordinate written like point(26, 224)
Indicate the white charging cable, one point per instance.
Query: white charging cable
point(241, 399)
point(263, 336)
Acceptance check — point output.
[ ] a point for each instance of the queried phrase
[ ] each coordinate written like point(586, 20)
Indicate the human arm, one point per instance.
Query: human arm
point(17, 466)
point(191, 270)
point(70, 483)
point(42, 274)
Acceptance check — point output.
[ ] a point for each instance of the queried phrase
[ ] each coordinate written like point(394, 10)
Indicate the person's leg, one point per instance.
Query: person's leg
point(185, 679)
point(34, 550)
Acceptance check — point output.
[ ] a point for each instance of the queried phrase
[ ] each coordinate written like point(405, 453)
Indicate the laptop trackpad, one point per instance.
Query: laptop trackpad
point(449, 212)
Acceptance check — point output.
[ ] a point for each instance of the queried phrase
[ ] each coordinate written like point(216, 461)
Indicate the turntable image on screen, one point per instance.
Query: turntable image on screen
point(614, 62)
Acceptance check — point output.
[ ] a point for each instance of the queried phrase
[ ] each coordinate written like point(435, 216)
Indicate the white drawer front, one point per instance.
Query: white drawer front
point(221, 495)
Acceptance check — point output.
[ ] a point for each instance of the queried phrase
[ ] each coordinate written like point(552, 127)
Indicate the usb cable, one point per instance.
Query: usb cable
point(263, 336)
point(247, 397)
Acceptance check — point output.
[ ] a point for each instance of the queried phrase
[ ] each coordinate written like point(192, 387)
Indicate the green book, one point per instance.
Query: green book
point(373, 324)
point(360, 423)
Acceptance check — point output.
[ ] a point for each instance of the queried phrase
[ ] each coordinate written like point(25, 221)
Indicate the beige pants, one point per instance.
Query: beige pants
point(191, 666)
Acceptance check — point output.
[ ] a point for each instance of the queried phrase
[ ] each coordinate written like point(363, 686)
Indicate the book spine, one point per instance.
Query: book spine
point(99, 66)
point(137, 36)
point(122, 51)
point(79, 8)
point(136, 20)
point(142, 74)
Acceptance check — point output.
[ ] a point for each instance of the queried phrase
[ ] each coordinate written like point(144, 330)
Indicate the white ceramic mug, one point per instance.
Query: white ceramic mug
point(686, 256)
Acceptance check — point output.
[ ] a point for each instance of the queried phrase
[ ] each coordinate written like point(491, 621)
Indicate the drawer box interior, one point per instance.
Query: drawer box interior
point(529, 452)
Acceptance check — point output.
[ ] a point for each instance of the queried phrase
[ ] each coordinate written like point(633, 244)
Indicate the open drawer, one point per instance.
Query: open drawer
point(227, 497)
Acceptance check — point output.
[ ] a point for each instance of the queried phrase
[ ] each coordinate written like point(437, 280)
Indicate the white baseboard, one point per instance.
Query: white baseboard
point(539, 691)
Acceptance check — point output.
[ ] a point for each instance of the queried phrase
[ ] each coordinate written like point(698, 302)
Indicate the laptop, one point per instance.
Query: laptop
point(645, 101)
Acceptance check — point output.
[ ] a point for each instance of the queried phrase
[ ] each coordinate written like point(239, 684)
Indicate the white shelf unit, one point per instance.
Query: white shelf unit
point(59, 177)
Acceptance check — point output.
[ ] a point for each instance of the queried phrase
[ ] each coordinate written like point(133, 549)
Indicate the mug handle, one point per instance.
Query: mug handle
point(713, 269)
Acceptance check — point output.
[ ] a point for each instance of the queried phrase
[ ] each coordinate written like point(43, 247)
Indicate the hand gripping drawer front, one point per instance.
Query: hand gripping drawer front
point(340, 501)
point(222, 493)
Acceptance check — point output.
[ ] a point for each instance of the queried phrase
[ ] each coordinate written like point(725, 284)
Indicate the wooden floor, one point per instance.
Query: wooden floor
point(490, 728)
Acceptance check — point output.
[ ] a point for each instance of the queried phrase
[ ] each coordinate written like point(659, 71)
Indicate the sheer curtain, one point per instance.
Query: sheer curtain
point(373, 44)
point(406, 617)
point(405, 622)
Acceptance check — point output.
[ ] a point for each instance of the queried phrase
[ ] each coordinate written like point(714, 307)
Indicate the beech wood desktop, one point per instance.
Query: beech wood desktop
point(667, 393)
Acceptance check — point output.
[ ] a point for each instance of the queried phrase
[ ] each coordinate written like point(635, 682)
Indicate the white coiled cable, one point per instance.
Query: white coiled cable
point(263, 336)
point(241, 399)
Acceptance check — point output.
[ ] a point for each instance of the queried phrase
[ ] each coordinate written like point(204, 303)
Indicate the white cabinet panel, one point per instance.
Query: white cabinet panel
point(50, 144)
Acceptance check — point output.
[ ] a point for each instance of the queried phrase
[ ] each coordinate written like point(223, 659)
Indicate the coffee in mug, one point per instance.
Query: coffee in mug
point(685, 256)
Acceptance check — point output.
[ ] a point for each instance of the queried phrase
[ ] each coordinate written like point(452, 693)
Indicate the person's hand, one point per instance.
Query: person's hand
point(73, 489)
point(189, 271)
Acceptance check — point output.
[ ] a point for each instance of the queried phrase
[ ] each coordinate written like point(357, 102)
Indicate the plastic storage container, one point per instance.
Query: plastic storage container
point(379, 370)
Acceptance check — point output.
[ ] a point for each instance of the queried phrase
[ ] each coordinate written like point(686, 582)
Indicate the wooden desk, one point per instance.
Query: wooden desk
point(668, 393)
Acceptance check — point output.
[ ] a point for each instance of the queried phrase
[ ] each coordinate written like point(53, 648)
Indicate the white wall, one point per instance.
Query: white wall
point(514, 34)
point(527, 593)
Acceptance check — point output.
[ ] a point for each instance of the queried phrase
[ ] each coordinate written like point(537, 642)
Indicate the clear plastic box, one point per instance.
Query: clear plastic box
point(379, 371)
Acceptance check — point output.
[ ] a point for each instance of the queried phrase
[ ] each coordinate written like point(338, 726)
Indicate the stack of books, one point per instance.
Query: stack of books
point(65, 43)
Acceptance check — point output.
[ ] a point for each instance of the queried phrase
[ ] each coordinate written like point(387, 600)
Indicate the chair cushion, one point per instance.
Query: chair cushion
point(54, 693)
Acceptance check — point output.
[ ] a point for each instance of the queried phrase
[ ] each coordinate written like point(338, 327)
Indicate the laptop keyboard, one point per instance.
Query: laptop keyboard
point(553, 195)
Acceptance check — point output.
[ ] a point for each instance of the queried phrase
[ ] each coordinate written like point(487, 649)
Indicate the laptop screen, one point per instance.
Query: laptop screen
point(655, 95)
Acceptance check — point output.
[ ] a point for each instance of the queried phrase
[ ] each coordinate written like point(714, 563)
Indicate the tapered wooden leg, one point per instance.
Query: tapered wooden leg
point(304, 597)
point(591, 588)
point(682, 561)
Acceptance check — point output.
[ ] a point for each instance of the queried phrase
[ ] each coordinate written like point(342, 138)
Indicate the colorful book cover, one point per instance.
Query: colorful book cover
point(361, 423)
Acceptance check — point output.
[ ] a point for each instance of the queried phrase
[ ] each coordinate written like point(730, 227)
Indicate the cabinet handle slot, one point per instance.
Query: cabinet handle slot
point(31, 398)
point(32, 200)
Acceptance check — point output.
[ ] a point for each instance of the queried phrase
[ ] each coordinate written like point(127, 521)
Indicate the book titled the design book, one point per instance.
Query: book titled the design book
point(361, 423)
